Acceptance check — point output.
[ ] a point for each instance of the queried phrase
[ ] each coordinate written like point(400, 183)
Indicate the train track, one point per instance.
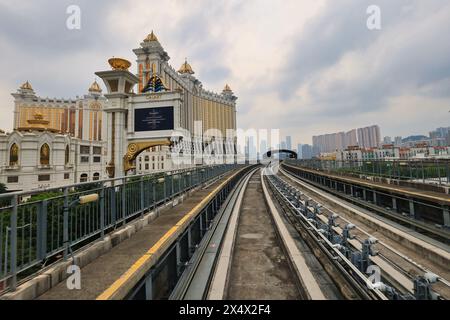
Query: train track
point(404, 276)
point(260, 247)
point(431, 231)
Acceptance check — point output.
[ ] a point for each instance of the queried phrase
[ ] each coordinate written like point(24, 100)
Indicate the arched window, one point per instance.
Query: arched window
point(44, 155)
point(96, 176)
point(14, 155)
point(84, 177)
point(67, 155)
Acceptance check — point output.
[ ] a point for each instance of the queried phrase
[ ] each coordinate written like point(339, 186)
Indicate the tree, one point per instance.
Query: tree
point(3, 188)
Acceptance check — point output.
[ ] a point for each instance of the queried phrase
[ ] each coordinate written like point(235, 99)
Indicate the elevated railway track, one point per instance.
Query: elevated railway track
point(259, 234)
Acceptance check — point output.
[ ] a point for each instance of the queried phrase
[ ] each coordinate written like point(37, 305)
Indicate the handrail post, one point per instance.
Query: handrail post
point(172, 191)
point(113, 196)
point(165, 188)
point(66, 223)
point(42, 230)
point(13, 262)
point(142, 193)
point(102, 211)
point(124, 200)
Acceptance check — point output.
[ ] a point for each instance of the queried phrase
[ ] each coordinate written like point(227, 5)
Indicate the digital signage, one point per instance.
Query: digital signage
point(153, 119)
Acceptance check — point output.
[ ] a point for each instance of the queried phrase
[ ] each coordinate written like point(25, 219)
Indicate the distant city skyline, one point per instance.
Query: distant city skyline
point(426, 131)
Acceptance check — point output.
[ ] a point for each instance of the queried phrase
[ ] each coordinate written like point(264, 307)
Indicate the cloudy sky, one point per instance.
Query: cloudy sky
point(306, 67)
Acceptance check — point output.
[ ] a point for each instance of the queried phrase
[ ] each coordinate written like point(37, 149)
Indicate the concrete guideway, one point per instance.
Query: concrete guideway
point(252, 252)
point(437, 254)
point(426, 211)
point(395, 265)
point(350, 281)
point(309, 283)
point(218, 284)
point(259, 258)
point(259, 268)
point(199, 278)
point(438, 197)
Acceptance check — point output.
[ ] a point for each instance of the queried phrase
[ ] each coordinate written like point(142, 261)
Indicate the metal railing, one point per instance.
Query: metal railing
point(40, 227)
point(420, 171)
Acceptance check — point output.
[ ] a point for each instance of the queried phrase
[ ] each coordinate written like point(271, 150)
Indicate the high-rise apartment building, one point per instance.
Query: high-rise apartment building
point(306, 151)
point(335, 141)
point(369, 137)
point(387, 140)
point(289, 143)
point(299, 151)
point(351, 139)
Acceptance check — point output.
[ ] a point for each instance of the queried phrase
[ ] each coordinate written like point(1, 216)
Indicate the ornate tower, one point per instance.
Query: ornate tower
point(24, 94)
point(149, 58)
point(119, 83)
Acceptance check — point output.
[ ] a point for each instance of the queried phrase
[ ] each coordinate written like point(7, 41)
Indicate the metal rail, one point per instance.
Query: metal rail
point(432, 171)
point(160, 281)
point(38, 227)
point(396, 252)
point(195, 281)
point(354, 278)
point(442, 235)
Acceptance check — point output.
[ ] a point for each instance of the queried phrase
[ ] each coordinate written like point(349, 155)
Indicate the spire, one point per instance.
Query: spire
point(151, 37)
point(228, 93)
point(26, 86)
point(186, 68)
point(95, 88)
point(227, 88)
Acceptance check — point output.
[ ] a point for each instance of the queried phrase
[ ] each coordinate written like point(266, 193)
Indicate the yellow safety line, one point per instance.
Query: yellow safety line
point(397, 190)
point(108, 293)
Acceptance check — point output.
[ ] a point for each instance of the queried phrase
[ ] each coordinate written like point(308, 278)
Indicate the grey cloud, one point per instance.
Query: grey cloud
point(413, 57)
point(403, 66)
point(39, 27)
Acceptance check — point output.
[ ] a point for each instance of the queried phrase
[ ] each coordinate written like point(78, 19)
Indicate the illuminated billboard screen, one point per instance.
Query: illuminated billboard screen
point(153, 119)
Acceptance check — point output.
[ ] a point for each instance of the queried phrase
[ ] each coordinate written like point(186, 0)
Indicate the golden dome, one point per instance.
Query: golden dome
point(227, 88)
point(95, 87)
point(26, 86)
point(151, 37)
point(186, 68)
point(119, 64)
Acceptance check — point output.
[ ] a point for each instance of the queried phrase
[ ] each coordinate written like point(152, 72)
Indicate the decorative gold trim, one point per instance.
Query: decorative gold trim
point(135, 148)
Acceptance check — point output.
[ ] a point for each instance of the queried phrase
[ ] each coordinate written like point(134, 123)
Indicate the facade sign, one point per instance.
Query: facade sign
point(153, 119)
